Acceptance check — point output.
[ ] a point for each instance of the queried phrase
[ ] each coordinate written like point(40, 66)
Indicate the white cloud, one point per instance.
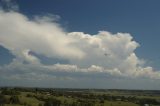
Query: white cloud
point(103, 54)
point(18, 34)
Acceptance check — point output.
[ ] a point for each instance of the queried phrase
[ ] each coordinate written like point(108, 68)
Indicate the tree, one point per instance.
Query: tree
point(52, 102)
point(14, 100)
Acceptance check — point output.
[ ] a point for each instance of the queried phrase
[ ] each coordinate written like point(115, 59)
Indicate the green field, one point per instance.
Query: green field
point(76, 97)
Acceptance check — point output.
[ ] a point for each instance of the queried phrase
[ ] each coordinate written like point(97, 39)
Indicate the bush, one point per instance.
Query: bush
point(14, 100)
point(52, 102)
point(29, 95)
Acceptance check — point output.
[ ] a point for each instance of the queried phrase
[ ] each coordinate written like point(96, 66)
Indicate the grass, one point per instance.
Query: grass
point(12, 105)
point(119, 103)
point(32, 101)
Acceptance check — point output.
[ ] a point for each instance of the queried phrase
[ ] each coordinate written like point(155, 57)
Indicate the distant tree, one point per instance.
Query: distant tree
point(10, 92)
point(36, 90)
point(14, 100)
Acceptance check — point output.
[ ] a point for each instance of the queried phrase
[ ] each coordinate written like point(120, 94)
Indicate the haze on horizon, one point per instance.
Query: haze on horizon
point(79, 44)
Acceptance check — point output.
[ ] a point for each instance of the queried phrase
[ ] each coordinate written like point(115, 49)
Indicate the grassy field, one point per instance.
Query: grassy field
point(119, 103)
point(48, 97)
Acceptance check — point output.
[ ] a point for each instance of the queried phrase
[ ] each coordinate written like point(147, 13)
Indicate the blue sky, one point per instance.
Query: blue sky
point(138, 18)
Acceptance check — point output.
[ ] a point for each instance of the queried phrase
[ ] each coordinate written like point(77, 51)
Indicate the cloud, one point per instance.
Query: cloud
point(103, 55)
point(40, 36)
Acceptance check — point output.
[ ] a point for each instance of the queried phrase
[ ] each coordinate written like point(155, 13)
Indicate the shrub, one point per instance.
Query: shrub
point(14, 100)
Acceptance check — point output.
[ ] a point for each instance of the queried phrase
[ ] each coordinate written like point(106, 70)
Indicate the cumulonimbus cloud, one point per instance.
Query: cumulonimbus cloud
point(104, 52)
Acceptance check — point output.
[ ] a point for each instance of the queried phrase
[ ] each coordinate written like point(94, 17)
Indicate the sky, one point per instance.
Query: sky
point(80, 44)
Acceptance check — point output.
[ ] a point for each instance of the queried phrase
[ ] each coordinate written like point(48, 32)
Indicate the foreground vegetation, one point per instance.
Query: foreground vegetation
point(77, 97)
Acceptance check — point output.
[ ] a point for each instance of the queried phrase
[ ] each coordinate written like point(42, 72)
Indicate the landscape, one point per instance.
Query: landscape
point(79, 53)
point(77, 97)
